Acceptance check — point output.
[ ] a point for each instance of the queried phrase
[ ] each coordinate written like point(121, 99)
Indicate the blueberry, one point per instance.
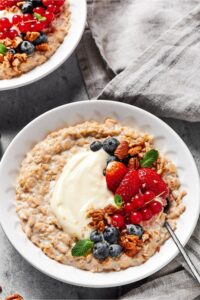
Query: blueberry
point(96, 236)
point(110, 144)
point(111, 158)
point(111, 234)
point(42, 38)
point(12, 51)
point(27, 47)
point(95, 146)
point(135, 229)
point(36, 3)
point(115, 250)
point(101, 250)
point(27, 7)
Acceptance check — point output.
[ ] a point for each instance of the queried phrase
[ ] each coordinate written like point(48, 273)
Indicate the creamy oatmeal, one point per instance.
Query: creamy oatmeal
point(30, 33)
point(96, 196)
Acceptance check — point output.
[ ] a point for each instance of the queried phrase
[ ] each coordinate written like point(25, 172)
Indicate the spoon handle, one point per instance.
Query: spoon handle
point(183, 252)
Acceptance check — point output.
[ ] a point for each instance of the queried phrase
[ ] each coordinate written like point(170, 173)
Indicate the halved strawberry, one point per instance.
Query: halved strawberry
point(129, 186)
point(115, 172)
point(150, 180)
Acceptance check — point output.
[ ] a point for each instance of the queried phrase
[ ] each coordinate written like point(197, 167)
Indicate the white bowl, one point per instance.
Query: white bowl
point(78, 18)
point(166, 140)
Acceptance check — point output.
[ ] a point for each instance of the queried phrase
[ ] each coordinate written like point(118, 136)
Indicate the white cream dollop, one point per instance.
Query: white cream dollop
point(81, 187)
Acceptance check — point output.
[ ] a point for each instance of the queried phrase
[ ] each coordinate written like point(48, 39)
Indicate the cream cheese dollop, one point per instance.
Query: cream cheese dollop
point(80, 187)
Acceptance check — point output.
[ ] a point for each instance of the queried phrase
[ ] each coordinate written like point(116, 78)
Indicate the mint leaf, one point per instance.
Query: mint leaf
point(39, 17)
point(82, 247)
point(3, 49)
point(118, 200)
point(149, 158)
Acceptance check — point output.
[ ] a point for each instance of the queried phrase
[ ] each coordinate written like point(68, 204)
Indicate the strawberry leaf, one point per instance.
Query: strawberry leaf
point(149, 158)
point(3, 49)
point(82, 248)
point(118, 200)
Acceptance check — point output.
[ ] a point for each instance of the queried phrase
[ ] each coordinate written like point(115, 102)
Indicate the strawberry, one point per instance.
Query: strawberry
point(150, 180)
point(129, 186)
point(115, 172)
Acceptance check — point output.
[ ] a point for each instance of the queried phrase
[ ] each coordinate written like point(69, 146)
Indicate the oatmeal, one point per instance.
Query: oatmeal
point(96, 196)
point(30, 33)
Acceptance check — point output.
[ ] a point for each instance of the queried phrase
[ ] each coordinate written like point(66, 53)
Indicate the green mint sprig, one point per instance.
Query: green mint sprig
point(3, 49)
point(39, 17)
point(149, 158)
point(118, 201)
point(82, 247)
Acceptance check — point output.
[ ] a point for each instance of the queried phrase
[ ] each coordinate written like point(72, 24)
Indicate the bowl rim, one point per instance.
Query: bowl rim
point(123, 280)
point(45, 69)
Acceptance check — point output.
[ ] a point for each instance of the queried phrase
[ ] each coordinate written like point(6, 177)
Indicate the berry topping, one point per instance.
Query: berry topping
point(111, 234)
point(117, 220)
point(138, 201)
point(101, 250)
point(95, 146)
point(146, 214)
point(115, 250)
point(148, 196)
point(16, 19)
point(136, 217)
point(4, 24)
point(40, 10)
point(12, 33)
point(96, 236)
point(135, 229)
point(41, 39)
point(110, 145)
point(27, 47)
point(128, 207)
point(129, 186)
point(150, 180)
point(27, 7)
point(115, 172)
point(155, 207)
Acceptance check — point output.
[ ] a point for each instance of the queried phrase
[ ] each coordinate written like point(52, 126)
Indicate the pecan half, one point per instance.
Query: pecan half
point(131, 244)
point(135, 150)
point(31, 36)
point(42, 47)
point(122, 150)
point(110, 209)
point(133, 163)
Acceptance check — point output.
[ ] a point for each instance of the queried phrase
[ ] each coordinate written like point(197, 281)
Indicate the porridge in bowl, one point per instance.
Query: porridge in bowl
point(96, 196)
point(30, 33)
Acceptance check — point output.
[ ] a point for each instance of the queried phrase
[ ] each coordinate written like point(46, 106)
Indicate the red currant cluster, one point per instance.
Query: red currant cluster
point(142, 207)
point(29, 21)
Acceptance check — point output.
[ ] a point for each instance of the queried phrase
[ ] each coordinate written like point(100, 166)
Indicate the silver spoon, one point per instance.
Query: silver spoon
point(183, 252)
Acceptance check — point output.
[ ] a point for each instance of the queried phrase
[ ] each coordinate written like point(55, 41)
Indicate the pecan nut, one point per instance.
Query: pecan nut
point(31, 36)
point(131, 244)
point(42, 47)
point(122, 150)
point(135, 150)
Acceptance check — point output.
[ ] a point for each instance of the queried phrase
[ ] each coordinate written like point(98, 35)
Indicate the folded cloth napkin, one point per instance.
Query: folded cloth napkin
point(146, 53)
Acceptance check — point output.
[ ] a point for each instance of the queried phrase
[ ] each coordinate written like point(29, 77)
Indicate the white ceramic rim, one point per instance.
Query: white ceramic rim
point(76, 276)
point(78, 20)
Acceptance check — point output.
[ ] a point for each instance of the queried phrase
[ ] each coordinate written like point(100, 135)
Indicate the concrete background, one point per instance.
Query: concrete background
point(17, 108)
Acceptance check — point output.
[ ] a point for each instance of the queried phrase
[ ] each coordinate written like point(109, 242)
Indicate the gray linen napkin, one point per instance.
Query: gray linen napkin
point(146, 53)
point(150, 48)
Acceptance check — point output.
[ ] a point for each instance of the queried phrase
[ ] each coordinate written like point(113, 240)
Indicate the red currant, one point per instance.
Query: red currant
point(148, 196)
point(3, 35)
point(127, 220)
point(47, 2)
point(27, 17)
point(49, 16)
point(155, 206)
point(117, 220)
point(23, 27)
point(60, 2)
point(51, 8)
point(128, 207)
point(39, 10)
point(12, 33)
point(136, 217)
point(16, 19)
point(37, 26)
point(138, 201)
point(5, 24)
point(146, 214)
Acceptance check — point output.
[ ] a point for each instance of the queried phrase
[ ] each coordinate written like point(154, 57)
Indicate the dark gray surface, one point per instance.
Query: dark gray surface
point(17, 108)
